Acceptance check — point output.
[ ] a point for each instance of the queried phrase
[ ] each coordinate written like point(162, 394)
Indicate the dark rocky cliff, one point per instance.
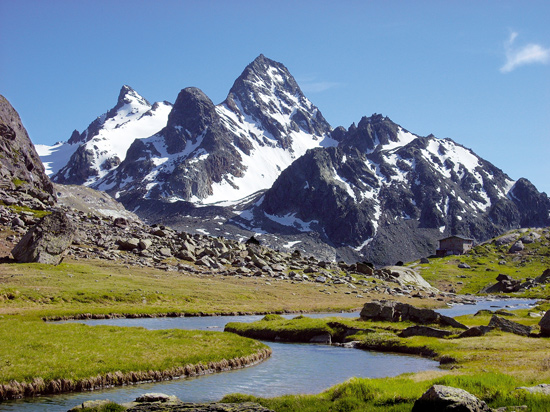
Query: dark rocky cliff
point(21, 168)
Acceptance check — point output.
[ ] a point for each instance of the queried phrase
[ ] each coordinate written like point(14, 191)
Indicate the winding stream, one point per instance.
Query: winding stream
point(292, 369)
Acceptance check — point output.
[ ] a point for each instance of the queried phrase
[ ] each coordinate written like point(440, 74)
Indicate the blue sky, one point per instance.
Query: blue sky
point(475, 71)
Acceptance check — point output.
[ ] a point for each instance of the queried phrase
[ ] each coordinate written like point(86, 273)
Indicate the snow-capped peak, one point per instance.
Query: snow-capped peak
point(103, 145)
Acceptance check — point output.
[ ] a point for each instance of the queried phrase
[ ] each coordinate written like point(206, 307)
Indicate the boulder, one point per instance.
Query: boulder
point(145, 244)
point(464, 266)
point(530, 238)
point(505, 283)
point(129, 244)
point(47, 242)
point(382, 311)
point(185, 255)
point(394, 312)
point(506, 239)
point(365, 268)
point(441, 398)
point(426, 316)
point(543, 388)
point(501, 277)
point(509, 326)
point(120, 222)
point(475, 331)
point(544, 278)
point(403, 276)
point(545, 324)
point(156, 397)
point(165, 251)
point(516, 247)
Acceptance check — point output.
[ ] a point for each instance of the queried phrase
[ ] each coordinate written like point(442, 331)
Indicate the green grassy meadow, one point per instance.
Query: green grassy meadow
point(486, 262)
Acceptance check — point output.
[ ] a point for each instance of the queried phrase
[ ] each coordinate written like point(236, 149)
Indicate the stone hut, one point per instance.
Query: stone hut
point(454, 245)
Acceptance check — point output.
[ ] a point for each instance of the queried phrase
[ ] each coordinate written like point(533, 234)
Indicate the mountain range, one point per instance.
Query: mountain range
point(266, 162)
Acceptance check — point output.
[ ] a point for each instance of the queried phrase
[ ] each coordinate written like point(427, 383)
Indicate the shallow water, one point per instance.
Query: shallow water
point(292, 369)
point(511, 304)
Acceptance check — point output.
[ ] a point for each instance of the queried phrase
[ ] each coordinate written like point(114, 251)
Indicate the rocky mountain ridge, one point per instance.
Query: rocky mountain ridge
point(211, 154)
point(374, 191)
point(389, 194)
point(88, 156)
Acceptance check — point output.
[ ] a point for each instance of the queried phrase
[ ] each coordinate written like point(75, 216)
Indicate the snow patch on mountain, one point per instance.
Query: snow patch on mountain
point(267, 158)
point(403, 139)
point(292, 221)
point(55, 157)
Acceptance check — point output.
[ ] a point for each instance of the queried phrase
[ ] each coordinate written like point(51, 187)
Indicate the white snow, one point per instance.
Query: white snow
point(56, 156)
point(377, 214)
point(463, 159)
point(288, 245)
point(266, 160)
point(292, 221)
point(345, 183)
point(364, 244)
point(403, 139)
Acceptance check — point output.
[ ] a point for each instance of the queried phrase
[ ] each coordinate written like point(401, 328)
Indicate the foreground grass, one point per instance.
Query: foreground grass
point(398, 394)
point(34, 349)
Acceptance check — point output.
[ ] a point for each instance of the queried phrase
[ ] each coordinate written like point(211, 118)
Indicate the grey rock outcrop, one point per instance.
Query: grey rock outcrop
point(47, 242)
point(505, 284)
point(543, 388)
point(506, 239)
point(441, 398)
point(545, 324)
point(544, 278)
point(21, 171)
point(403, 276)
point(475, 331)
point(516, 247)
point(509, 326)
point(394, 312)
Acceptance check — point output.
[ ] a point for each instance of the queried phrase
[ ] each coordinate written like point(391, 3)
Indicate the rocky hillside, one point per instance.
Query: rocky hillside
point(90, 201)
point(22, 175)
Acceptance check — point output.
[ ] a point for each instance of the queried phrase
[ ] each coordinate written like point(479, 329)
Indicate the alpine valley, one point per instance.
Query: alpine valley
point(265, 162)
